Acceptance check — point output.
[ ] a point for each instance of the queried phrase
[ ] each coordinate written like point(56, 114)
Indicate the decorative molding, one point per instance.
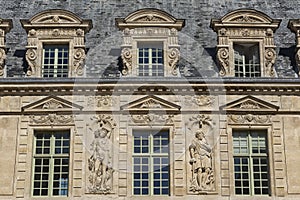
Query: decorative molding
point(100, 174)
point(51, 119)
point(201, 100)
point(249, 119)
point(152, 119)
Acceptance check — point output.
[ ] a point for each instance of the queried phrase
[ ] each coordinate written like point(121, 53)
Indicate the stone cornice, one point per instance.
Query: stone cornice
point(155, 86)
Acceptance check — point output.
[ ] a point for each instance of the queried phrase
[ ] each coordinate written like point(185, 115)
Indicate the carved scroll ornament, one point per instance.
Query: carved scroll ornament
point(100, 161)
point(270, 57)
point(173, 55)
point(79, 57)
point(223, 59)
point(2, 61)
point(127, 60)
point(31, 57)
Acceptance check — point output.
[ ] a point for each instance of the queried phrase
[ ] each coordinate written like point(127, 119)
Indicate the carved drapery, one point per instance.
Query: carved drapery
point(100, 175)
point(147, 25)
point(245, 26)
point(201, 178)
point(63, 28)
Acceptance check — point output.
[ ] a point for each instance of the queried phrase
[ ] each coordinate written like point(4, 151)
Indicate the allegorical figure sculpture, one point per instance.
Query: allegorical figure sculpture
point(201, 161)
point(99, 162)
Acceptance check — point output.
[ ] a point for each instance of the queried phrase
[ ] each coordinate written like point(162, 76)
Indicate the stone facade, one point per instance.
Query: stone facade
point(103, 107)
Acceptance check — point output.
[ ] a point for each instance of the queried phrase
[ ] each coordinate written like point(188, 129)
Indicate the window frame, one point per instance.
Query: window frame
point(260, 44)
point(51, 157)
point(150, 45)
point(62, 44)
point(250, 156)
point(151, 155)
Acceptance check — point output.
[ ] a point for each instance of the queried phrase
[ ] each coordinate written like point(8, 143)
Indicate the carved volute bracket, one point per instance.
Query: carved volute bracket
point(5, 26)
point(147, 25)
point(244, 26)
point(56, 27)
point(294, 26)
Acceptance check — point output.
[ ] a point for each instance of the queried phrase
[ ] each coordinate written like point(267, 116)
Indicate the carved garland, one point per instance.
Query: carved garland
point(52, 119)
point(249, 119)
point(152, 119)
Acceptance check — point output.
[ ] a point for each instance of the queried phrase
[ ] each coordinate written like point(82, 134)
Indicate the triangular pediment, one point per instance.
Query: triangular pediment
point(249, 104)
point(52, 104)
point(151, 103)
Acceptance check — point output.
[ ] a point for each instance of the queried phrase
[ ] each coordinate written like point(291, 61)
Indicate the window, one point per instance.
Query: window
point(56, 26)
point(150, 43)
point(55, 61)
point(246, 60)
point(246, 46)
point(250, 162)
point(150, 59)
point(51, 163)
point(151, 163)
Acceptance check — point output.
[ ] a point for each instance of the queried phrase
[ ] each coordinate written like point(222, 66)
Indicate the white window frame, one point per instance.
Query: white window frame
point(55, 69)
point(249, 155)
point(51, 157)
point(151, 155)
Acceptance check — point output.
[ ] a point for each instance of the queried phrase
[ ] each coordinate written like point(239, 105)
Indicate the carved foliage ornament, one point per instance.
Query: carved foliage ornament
point(249, 119)
point(51, 119)
point(152, 119)
point(100, 161)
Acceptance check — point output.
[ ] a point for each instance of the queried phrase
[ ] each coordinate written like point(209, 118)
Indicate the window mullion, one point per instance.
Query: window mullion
point(150, 62)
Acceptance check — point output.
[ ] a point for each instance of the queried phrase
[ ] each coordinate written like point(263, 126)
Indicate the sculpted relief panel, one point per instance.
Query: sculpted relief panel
point(201, 178)
point(100, 167)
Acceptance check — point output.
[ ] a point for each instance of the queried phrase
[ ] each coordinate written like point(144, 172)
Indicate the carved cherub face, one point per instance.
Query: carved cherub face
point(199, 134)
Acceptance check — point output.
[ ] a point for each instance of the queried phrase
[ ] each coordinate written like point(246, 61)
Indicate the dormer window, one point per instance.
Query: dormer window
point(246, 46)
point(246, 60)
point(56, 46)
point(150, 59)
point(150, 43)
point(55, 61)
